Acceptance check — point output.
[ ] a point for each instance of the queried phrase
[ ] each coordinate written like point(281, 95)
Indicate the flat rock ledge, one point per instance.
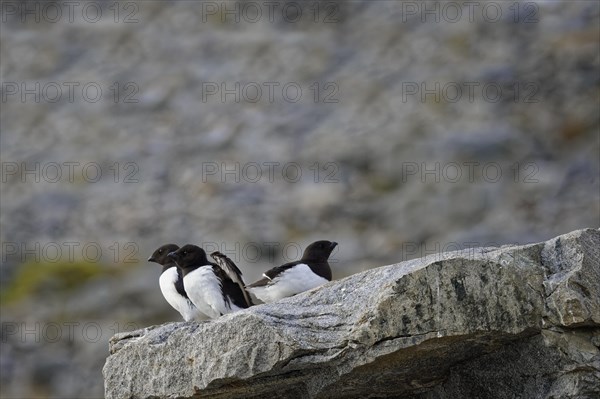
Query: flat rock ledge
point(508, 322)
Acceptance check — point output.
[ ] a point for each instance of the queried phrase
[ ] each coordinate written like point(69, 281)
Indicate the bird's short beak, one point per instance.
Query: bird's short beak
point(333, 245)
point(151, 259)
point(171, 255)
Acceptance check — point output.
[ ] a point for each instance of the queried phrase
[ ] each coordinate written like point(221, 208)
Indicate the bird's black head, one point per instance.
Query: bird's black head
point(319, 251)
point(160, 255)
point(189, 257)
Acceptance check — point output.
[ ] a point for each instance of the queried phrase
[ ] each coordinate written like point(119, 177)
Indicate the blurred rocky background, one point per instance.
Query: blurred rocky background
point(398, 129)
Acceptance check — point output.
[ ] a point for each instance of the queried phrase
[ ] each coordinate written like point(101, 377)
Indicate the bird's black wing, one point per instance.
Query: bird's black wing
point(233, 272)
point(232, 292)
point(270, 274)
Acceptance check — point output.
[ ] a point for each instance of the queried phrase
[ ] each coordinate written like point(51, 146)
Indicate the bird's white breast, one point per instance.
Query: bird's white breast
point(293, 281)
point(204, 289)
point(183, 305)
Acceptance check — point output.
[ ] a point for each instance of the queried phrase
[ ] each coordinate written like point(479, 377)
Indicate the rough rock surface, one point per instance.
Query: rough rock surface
point(509, 322)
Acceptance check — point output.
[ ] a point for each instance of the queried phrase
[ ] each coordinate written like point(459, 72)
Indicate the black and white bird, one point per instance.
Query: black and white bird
point(311, 271)
point(208, 286)
point(171, 284)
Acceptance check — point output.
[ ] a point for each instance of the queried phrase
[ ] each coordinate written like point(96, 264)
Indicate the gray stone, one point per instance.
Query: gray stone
point(508, 322)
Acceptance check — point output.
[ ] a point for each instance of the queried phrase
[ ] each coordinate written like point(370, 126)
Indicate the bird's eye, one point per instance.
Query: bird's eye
point(160, 251)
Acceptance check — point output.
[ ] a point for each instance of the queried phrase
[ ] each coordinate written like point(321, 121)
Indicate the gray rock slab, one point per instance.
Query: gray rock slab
point(514, 321)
